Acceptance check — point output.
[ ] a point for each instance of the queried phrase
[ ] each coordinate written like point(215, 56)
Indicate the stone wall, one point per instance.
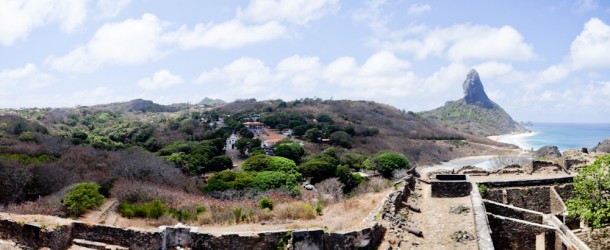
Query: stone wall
point(536, 165)
point(532, 198)
point(512, 212)
point(61, 237)
point(565, 191)
point(117, 236)
point(509, 233)
point(451, 186)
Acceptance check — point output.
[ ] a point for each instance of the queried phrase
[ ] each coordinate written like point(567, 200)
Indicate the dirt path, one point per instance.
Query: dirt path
point(105, 215)
point(437, 222)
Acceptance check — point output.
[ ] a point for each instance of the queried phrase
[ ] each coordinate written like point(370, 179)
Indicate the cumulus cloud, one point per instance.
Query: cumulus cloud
point(19, 17)
point(298, 12)
point(418, 9)
point(381, 76)
point(160, 80)
point(227, 35)
point(130, 42)
point(591, 48)
point(111, 8)
point(465, 41)
point(136, 41)
point(25, 78)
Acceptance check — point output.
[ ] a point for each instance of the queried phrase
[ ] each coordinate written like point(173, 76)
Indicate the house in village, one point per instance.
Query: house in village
point(257, 128)
point(270, 142)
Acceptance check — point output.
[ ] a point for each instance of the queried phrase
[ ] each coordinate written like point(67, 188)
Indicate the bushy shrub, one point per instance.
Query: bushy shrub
point(228, 179)
point(83, 196)
point(149, 210)
point(273, 179)
point(330, 189)
point(374, 185)
point(265, 203)
point(350, 180)
point(259, 180)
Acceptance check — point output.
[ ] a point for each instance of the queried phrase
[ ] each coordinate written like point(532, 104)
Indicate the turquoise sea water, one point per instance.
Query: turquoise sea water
point(567, 135)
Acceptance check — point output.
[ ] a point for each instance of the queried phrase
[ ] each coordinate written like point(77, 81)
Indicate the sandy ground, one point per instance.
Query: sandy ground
point(515, 139)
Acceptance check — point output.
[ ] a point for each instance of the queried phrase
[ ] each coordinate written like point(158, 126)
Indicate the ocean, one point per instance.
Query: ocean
point(567, 135)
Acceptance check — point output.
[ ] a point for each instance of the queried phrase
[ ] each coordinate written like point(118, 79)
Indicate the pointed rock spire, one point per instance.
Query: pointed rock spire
point(474, 92)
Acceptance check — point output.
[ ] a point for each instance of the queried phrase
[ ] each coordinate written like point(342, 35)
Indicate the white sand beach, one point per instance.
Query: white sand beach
point(515, 139)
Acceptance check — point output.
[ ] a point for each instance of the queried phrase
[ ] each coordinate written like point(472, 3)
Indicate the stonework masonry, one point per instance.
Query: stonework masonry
point(61, 237)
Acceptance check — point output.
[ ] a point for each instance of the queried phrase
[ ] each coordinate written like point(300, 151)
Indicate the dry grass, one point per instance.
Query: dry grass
point(295, 211)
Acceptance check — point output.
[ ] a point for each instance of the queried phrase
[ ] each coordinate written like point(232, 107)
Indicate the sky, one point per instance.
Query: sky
point(544, 61)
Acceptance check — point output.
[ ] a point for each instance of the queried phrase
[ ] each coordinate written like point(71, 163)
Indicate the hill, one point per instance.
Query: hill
point(210, 101)
point(139, 105)
point(422, 140)
point(474, 114)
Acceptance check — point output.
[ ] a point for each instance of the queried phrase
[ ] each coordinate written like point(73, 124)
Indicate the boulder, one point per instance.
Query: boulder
point(549, 152)
point(602, 147)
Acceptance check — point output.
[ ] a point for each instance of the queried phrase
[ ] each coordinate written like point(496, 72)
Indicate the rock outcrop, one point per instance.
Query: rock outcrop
point(602, 147)
point(474, 114)
point(548, 152)
point(474, 93)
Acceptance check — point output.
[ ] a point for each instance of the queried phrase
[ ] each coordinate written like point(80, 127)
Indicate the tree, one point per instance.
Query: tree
point(83, 196)
point(290, 150)
point(341, 138)
point(319, 169)
point(324, 118)
point(246, 145)
point(386, 163)
point(219, 163)
point(591, 200)
point(352, 160)
point(349, 180)
point(313, 135)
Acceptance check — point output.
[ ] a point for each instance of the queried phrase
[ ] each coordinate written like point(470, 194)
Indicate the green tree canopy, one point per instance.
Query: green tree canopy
point(319, 168)
point(341, 138)
point(591, 200)
point(387, 162)
point(313, 135)
point(290, 150)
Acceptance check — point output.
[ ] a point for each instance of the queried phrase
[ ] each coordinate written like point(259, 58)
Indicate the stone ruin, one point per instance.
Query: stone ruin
point(531, 214)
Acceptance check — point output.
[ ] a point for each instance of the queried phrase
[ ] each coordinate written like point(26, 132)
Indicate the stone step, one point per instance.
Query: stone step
point(96, 245)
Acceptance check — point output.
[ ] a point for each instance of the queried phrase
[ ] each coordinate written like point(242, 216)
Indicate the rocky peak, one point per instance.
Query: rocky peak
point(474, 92)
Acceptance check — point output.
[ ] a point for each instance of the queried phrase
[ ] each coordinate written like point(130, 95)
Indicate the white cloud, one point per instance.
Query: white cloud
point(27, 78)
point(465, 41)
point(160, 80)
point(227, 35)
point(137, 41)
point(133, 41)
point(111, 8)
point(582, 6)
point(294, 11)
point(381, 75)
point(19, 17)
point(418, 9)
point(591, 48)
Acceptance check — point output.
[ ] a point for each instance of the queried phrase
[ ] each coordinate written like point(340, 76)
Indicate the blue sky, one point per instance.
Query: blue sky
point(540, 60)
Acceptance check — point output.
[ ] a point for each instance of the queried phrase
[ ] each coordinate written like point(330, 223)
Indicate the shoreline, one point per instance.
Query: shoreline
point(517, 139)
